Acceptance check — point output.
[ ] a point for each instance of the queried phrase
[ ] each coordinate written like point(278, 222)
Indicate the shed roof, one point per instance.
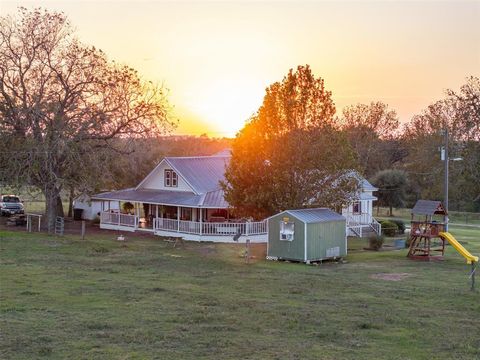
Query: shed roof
point(428, 207)
point(314, 215)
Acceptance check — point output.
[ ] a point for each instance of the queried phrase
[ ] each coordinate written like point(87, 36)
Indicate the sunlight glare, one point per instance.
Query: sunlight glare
point(228, 103)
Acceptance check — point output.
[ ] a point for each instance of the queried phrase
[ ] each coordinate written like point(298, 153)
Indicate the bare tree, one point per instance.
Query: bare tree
point(371, 130)
point(63, 103)
point(459, 111)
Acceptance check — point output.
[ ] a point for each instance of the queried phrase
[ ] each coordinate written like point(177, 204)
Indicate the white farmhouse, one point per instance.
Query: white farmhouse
point(182, 197)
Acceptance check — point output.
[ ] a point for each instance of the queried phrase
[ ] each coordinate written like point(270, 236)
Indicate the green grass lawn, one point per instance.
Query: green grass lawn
point(64, 298)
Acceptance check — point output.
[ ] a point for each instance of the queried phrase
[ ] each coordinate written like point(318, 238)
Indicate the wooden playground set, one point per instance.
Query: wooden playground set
point(429, 235)
point(428, 221)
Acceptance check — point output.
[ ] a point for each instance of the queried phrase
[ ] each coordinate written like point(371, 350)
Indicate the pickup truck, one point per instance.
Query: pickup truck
point(10, 205)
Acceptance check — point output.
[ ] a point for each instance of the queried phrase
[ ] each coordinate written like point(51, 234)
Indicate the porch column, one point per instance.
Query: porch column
point(137, 215)
point(201, 221)
point(178, 218)
point(119, 212)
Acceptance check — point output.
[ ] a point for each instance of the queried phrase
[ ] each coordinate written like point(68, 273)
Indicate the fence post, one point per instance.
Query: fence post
point(83, 229)
point(473, 276)
point(247, 251)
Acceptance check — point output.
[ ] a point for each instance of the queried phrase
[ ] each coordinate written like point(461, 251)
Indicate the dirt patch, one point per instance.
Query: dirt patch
point(207, 250)
point(390, 276)
point(258, 251)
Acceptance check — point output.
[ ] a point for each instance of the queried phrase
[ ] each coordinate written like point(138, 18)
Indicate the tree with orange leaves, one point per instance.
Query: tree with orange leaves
point(290, 155)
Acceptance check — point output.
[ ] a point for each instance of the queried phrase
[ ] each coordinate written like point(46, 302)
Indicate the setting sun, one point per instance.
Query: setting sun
point(228, 94)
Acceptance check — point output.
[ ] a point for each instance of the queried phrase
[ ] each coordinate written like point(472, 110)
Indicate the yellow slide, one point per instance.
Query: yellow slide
point(464, 252)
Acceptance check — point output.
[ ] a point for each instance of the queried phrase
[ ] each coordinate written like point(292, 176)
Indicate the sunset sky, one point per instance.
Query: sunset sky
point(218, 57)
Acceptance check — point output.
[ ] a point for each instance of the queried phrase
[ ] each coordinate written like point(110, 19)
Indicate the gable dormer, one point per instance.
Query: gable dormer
point(165, 177)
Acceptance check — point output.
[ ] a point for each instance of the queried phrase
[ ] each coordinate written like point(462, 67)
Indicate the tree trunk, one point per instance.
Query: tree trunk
point(52, 194)
point(60, 210)
point(391, 210)
point(70, 202)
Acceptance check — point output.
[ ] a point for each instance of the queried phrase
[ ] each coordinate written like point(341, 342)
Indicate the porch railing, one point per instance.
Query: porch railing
point(210, 228)
point(119, 219)
point(377, 227)
point(358, 222)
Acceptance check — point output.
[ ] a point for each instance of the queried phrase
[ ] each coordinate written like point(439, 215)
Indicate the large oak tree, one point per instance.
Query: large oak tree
point(289, 155)
point(62, 104)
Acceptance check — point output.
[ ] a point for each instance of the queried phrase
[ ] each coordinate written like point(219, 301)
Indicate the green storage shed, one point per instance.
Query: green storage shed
point(306, 235)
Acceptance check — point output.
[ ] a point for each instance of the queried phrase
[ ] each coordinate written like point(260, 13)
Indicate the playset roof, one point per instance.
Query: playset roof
point(428, 207)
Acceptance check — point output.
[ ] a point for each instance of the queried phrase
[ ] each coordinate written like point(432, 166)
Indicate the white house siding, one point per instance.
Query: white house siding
point(91, 208)
point(366, 208)
point(156, 180)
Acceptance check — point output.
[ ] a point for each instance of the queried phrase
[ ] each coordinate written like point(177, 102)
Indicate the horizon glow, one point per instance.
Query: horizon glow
point(217, 58)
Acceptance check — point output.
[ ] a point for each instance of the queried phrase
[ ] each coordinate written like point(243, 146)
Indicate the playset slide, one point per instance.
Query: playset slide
point(464, 252)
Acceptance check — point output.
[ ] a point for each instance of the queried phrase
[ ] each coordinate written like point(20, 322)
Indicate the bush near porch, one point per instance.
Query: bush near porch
point(100, 298)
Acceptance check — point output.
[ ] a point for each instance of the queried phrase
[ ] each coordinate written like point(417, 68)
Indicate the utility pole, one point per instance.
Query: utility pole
point(445, 185)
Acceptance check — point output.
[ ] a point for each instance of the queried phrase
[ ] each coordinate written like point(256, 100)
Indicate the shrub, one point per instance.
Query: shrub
point(389, 228)
point(401, 226)
point(375, 242)
point(128, 206)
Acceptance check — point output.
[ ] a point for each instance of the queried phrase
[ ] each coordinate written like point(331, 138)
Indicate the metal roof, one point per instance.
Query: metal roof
point(315, 215)
point(215, 199)
point(224, 152)
point(365, 196)
point(165, 197)
point(364, 183)
point(428, 207)
point(202, 173)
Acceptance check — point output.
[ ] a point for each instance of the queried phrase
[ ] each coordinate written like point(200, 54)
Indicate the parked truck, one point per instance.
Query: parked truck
point(10, 205)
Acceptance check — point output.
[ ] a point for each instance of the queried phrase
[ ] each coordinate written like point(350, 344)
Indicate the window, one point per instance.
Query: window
point(171, 178)
point(287, 230)
point(357, 207)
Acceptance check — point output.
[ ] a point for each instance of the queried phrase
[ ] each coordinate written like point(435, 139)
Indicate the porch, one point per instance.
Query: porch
point(362, 224)
point(195, 224)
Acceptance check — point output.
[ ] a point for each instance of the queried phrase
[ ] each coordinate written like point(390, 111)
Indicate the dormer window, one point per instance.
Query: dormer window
point(171, 178)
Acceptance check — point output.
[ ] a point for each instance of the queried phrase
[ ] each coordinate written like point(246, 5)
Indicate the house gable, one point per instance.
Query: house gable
point(156, 179)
